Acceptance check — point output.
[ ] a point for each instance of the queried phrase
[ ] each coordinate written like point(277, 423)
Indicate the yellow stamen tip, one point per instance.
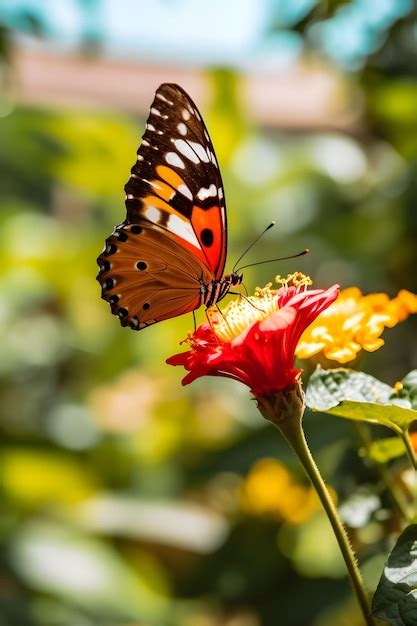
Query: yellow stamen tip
point(243, 312)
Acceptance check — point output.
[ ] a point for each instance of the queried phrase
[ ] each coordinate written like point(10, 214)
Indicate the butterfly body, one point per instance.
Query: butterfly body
point(213, 292)
point(167, 258)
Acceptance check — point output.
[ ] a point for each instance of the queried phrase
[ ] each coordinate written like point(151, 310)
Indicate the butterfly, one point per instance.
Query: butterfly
point(167, 257)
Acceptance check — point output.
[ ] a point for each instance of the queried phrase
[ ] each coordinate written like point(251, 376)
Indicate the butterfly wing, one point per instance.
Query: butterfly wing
point(174, 237)
point(147, 277)
point(176, 180)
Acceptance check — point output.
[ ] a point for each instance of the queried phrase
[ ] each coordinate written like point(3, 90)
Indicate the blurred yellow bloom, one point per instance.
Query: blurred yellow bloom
point(353, 323)
point(38, 477)
point(270, 489)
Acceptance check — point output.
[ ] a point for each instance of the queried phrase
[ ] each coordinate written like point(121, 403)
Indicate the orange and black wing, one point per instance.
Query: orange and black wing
point(176, 181)
point(173, 241)
point(147, 277)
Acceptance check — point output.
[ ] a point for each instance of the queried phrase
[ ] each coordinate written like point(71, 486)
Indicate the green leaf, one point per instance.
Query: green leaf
point(395, 599)
point(394, 417)
point(407, 395)
point(386, 449)
point(326, 388)
point(357, 396)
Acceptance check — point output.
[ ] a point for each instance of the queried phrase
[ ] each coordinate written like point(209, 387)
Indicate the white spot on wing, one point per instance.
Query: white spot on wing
point(185, 191)
point(173, 159)
point(154, 185)
point(220, 193)
point(155, 111)
point(186, 115)
point(152, 214)
point(183, 229)
point(198, 148)
point(151, 127)
point(183, 147)
point(140, 157)
point(145, 143)
point(204, 193)
point(182, 129)
point(161, 97)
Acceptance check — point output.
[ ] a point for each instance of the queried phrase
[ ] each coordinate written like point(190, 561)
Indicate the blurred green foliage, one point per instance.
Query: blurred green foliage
point(122, 492)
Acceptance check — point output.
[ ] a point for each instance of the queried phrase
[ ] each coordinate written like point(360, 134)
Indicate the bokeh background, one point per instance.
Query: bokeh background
point(127, 499)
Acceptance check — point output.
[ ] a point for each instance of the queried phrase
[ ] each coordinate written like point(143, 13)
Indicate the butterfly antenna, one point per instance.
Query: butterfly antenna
point(282, 258)
point(252, 244)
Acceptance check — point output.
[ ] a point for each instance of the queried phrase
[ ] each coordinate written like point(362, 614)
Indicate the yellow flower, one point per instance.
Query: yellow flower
point(354, 322)
point(270, 489)
point(37, 477)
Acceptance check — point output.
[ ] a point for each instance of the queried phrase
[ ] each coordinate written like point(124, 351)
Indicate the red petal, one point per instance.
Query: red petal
point(279, 320)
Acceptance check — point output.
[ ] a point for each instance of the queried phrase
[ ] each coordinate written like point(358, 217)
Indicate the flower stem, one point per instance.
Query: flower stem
point(277, 411)
point(296, 439)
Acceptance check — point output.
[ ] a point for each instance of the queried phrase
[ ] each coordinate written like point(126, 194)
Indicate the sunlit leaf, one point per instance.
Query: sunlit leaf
point(326, 388)
point(356, 396)
point(393, 417)
point(407, 391)
point(386, 449)
point(395, 599)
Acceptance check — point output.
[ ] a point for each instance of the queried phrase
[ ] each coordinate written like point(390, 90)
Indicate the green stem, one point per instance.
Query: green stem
point(277, 409)
point(399, 501)
point(412, 457)
point(296, 439)
point(409, 447)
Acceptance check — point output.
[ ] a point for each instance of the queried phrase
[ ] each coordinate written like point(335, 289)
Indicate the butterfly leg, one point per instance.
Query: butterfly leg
point(224, 318)
point(195, 324)
point(210, 321)
point(236, 293)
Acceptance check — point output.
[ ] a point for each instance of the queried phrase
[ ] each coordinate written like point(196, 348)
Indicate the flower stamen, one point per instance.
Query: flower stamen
point(243, 312)
point(254, 339)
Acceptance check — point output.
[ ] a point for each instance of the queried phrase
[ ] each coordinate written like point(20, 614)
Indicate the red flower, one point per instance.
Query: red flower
point(254, 339)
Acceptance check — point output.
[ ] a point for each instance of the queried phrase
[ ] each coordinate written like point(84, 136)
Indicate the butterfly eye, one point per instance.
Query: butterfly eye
point(141, 265)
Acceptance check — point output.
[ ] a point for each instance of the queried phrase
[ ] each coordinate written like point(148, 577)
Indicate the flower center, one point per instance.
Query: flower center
point(245, 311)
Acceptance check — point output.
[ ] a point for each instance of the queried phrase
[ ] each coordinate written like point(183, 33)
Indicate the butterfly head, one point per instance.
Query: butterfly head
point(235, 279)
